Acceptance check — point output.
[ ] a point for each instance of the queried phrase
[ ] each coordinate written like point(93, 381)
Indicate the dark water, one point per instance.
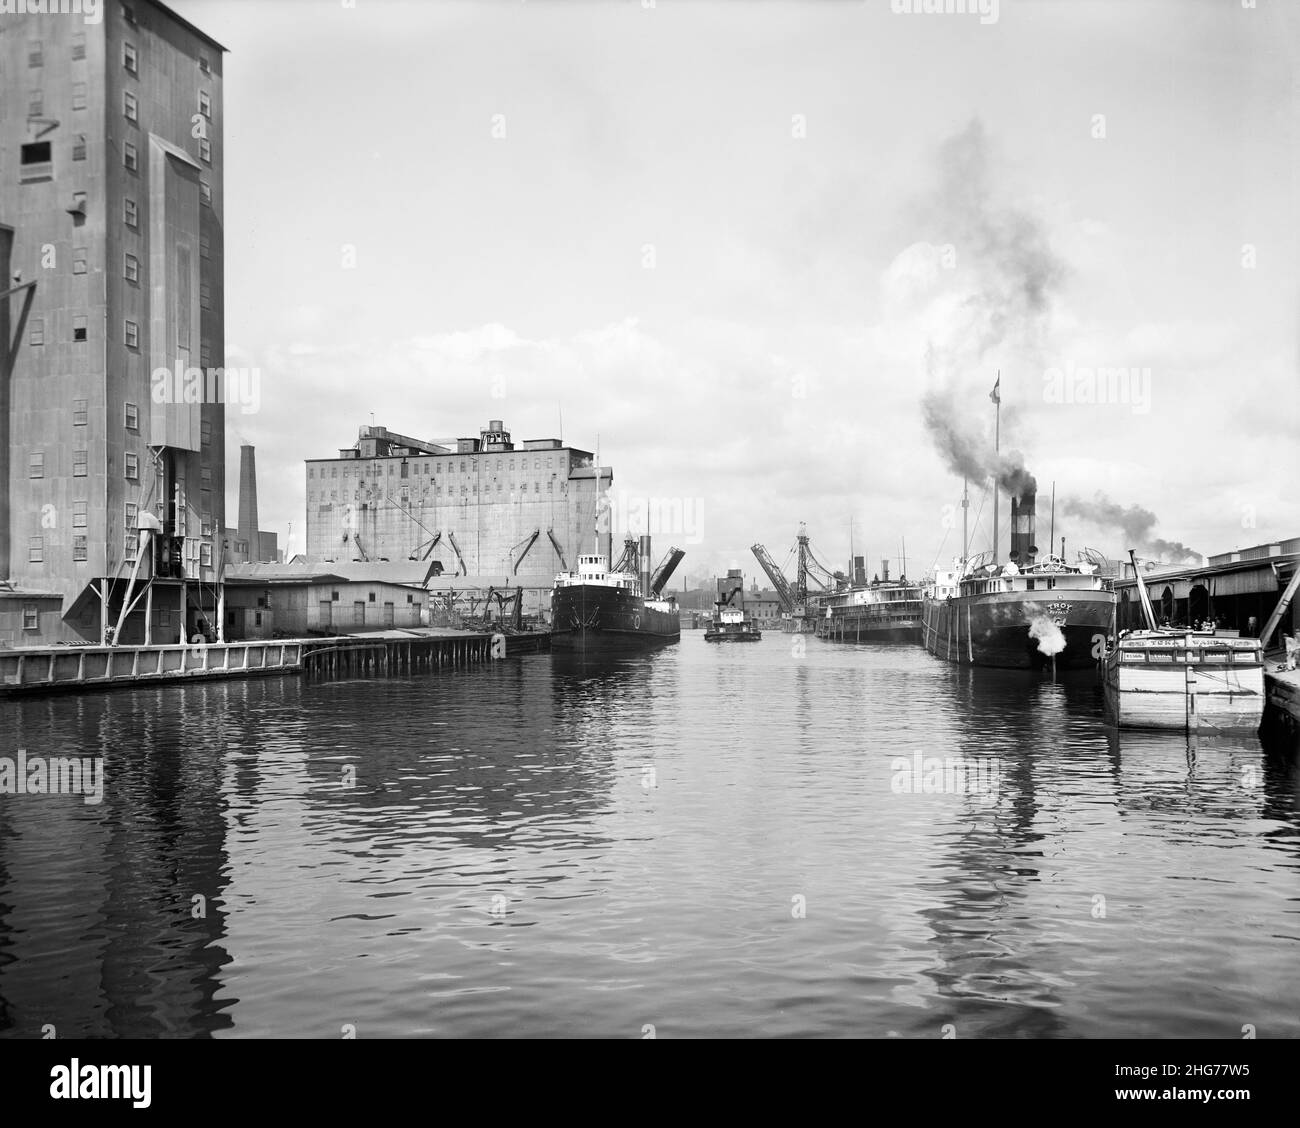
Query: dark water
point(709, 840)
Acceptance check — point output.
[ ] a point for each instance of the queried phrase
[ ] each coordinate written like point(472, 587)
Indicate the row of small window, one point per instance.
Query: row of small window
point(130, 57)
point(80, 462)
point(130, 414)
point(405, 497)
point(423, 468)
point(80, 543)
point(130, 331)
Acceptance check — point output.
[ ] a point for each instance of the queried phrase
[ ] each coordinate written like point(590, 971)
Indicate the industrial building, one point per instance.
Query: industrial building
point(301, 600)
point(111, 206)
point(1237, 590)
point(487, 511)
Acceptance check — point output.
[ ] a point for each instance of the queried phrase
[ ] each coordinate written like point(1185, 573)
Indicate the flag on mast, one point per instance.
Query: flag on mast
point(995, 395)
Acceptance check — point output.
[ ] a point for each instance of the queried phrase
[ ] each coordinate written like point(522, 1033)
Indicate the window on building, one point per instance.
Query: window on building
point(205, 431)
point(130, 158)
point(79, 147)
point(130, 546)
point(78, 546)
point(79, 46)
point(205, 104)
point(36, 464)
point(131, 334)
point(131, 416)
point(130, 107)
point(79, 327)
point(36, 331)
point(205, 475)
point(131, 466)
point(205, 354)
point(205, 295)
point(205, 193)
point(129, 58)
point(204, 65)
point(78, 95)
point(205, 246)
point(131, 516)
point(131, 268)
point(372, 597)
point(205, 150)
point(35, 104)
point(130, 213)
point(35, 550)
point(79, 515)
point(31, 617)
point(35, 162)
point(79, 412)
point(311, 472)
point(334, 596)
point(205, 553)
point(35, 54)
point(78, 260)
point(79, 461)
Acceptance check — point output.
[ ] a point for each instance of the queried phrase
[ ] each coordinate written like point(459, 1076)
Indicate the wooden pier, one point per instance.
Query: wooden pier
point(390, 654)
point(70, 668)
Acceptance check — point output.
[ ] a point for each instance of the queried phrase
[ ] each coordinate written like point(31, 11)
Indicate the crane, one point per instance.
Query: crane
point(781, 585)
point(564, 567)
point(526, 544)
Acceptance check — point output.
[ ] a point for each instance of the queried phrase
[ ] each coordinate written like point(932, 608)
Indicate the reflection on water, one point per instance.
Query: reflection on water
point(708, 840)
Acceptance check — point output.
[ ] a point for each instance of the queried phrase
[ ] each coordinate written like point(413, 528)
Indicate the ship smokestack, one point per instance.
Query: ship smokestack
point(884, 570)
point(643, 559)
point(859, 571)
point(1023, 548)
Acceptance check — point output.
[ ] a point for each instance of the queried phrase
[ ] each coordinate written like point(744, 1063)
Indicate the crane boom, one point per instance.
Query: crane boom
point(782, 586)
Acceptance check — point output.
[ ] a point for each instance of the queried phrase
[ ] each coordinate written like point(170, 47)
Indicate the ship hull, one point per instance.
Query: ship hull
point(861, 628)
point(593, 618)
point(1155, 686)
point(993, 629)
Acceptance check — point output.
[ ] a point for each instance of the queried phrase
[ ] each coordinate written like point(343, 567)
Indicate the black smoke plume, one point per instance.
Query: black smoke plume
point(1135, 523)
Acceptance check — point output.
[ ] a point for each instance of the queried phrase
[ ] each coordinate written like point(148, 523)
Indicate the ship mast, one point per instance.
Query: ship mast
point(996, 397)
point(965, 528)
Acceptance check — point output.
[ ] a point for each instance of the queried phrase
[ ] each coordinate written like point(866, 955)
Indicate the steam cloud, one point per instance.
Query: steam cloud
point(1134, 522)
point(1050, 639)
point(1013, 276)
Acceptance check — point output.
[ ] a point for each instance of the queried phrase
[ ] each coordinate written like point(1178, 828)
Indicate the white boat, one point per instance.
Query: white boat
point(1186, 680)
point(1191, 680)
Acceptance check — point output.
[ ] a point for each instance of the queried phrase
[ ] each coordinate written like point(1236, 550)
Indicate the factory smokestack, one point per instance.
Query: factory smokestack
point(1023, 548)
point(248, 524)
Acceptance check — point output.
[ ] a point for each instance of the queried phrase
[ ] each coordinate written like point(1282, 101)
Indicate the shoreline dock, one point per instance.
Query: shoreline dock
point(72, 669)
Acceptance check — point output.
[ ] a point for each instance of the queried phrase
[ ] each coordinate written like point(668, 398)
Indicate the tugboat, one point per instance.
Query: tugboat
point(599, 610)
point(732, 624)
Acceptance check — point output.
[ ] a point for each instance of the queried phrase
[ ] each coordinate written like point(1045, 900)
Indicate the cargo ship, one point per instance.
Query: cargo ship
point(1028, 613)
point(884, 610)
point(598, 610)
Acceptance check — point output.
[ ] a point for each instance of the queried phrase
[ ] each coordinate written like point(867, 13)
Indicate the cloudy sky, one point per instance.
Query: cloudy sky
point(742, 246)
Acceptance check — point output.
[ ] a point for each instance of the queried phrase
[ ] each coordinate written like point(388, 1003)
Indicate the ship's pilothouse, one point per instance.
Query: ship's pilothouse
point(595, 570)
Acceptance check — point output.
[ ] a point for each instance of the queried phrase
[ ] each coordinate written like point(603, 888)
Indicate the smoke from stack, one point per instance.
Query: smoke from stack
point(1009, 275)
point(1134, 523)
